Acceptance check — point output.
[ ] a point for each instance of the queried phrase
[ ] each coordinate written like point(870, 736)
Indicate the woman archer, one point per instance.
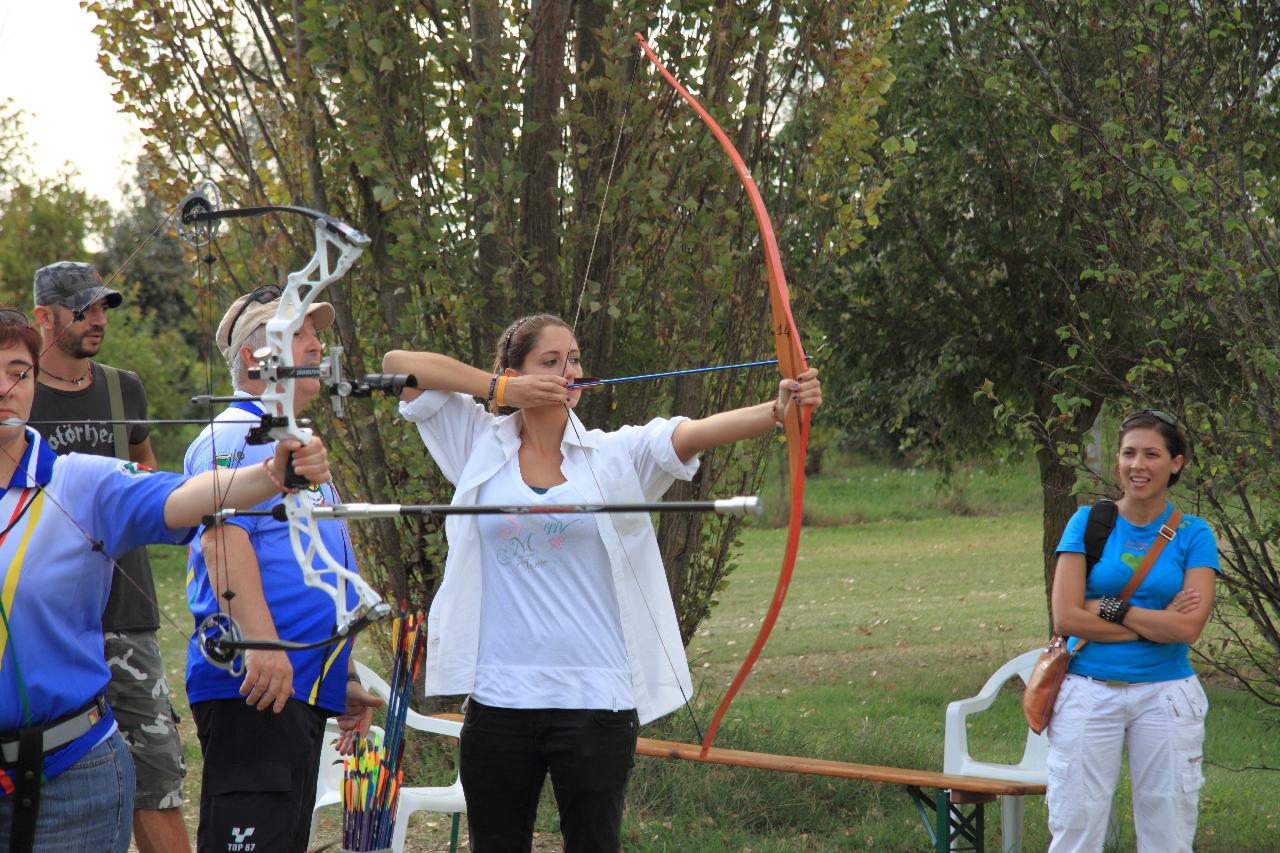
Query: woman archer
point(66, 777)
point(560, 628)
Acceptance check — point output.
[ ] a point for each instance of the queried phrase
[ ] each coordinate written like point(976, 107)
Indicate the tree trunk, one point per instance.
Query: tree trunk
point(1056, 482)
point(487, 147)
point(679, 533)
point(540, 137)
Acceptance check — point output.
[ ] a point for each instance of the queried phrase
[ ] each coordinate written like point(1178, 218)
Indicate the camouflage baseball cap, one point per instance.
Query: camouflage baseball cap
point(73, 284)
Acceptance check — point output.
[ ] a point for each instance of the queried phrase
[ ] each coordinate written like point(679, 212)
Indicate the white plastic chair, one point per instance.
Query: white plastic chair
point(444, 799)
point(1032, 768)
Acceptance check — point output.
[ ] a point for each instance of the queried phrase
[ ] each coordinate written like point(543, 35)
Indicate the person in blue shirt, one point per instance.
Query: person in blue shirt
point(66, 777)
point(272, 716)
point(1132, 684)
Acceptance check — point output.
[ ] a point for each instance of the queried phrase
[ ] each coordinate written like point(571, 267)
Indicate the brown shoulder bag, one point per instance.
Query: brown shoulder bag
point(1051, 667)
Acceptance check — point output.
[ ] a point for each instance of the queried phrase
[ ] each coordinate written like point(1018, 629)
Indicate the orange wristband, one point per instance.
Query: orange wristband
point(501, 391)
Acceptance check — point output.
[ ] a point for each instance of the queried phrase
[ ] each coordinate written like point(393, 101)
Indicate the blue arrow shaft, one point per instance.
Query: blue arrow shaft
point(594, 383)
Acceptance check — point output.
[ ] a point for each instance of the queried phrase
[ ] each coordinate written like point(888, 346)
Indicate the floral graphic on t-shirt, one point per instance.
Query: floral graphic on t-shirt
point(525, 542)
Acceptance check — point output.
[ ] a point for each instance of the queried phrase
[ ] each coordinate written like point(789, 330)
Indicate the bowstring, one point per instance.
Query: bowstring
point(220, 572)
point(577, 314)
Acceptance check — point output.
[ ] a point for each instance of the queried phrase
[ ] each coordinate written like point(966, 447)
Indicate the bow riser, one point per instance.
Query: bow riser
point(337, 247)
point(370, 605)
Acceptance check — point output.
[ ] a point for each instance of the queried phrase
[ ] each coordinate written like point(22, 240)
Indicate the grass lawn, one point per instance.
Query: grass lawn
point(888, 619)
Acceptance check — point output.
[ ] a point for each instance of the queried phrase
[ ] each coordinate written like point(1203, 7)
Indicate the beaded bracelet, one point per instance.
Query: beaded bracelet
point(266, 466)
point(493, 383)
point(1106, 607)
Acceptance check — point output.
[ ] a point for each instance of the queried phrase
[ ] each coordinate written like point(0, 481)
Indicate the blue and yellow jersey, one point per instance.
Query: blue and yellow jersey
point(63, 519)
point(300, 612)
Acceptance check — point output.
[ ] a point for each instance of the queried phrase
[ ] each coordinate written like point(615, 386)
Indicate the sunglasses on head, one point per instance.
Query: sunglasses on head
point(13, 317)
point(1163, 417)
point(262, 295)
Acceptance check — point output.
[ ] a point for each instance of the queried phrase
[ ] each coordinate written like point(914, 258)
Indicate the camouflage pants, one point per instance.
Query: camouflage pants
point(139, 697)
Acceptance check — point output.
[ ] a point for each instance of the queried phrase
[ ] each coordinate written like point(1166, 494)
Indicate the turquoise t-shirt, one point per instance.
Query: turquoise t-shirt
point(1140, 660)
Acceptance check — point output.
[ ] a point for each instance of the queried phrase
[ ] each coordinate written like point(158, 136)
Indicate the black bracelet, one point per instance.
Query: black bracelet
point(1104, 608)
point(1112, 609)
point(353, 676)
point(1121, 613)
point(493, 384)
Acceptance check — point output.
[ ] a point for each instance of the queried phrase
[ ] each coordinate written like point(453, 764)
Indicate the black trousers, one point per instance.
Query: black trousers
point(258, 786)
point(506, 755)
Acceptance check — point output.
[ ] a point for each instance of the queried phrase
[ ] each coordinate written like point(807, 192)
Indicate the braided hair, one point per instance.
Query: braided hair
point(515, 344)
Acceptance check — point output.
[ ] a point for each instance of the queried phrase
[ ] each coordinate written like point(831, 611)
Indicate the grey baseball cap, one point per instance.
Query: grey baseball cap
point(73, 284)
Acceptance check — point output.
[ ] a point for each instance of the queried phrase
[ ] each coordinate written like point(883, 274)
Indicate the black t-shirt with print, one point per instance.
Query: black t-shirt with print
point(132, 605)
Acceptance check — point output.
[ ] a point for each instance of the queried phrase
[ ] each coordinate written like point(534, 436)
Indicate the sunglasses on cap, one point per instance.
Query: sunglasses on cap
point(1163, 417)
point(262, 295)
point(13, 317)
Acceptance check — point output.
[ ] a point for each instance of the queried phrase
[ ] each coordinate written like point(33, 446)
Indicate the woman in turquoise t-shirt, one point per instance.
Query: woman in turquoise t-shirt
point(1132, 684)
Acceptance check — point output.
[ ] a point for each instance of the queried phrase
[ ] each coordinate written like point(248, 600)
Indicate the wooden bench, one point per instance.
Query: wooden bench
point(952, 813)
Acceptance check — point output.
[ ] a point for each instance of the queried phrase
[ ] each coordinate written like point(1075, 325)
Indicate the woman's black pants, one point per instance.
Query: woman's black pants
point(505, 757)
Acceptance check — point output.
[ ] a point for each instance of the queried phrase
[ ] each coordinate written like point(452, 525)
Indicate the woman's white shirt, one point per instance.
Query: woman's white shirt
point(550, 629)
point(631, 464)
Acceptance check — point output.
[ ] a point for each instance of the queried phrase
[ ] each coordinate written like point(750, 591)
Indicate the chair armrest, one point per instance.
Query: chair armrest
point(955, 744)
point(375, 684)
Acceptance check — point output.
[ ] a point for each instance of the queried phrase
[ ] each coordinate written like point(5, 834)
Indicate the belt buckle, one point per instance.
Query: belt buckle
point(1112, 682)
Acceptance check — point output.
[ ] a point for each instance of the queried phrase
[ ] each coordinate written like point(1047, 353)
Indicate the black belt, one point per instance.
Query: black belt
point(26, 752)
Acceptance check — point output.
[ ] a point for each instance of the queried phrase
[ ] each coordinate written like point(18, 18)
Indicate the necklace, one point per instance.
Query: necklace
point(76, 382)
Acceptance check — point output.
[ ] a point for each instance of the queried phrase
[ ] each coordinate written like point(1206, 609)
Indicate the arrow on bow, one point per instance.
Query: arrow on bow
point(791, 363)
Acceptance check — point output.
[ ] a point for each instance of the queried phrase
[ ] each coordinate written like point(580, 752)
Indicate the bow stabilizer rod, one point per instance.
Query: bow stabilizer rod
point(742, 505)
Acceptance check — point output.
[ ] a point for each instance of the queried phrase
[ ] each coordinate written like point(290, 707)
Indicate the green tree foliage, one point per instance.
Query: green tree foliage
point(42, 220)
point(1176, 131)
point(505, 158)
point(951, 309)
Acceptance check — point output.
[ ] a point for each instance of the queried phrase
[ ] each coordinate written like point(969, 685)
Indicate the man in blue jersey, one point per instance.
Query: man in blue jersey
point(261, 734)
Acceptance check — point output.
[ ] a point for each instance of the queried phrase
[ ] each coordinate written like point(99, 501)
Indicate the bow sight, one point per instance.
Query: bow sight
point(329, 372)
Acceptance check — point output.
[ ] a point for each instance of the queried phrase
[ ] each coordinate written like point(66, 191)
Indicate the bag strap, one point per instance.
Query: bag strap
point(1165, 535)
point(117, 411)
point(1102, 520)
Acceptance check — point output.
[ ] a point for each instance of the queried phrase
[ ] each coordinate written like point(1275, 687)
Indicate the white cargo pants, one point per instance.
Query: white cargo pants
point(1162, 724)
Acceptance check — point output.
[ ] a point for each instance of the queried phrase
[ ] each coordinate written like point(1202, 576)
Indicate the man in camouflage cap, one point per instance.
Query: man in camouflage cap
point(75, 285)
point(75, 397)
